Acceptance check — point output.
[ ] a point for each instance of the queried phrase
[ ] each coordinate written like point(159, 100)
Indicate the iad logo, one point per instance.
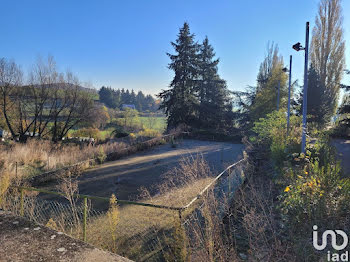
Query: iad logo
point(333, 237)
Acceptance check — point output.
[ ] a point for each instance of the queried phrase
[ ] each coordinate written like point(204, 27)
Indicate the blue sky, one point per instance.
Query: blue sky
point(123, 43)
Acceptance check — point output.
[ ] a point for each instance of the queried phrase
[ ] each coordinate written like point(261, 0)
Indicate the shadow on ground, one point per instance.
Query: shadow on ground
point(343, 152)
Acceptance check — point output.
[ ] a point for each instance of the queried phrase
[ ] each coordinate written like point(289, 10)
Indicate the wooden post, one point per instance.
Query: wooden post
point(84, 218)
point(22, 202)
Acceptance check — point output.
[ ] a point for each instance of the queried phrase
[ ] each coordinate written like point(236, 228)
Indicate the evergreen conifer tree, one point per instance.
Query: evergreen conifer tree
point(215, 106)
point(180, 101)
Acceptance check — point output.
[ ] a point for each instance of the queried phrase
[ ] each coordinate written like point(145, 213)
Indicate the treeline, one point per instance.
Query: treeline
point(46, 104)
point(326, 69)
point(198, 97)
point(115, 98)
point(323, 92)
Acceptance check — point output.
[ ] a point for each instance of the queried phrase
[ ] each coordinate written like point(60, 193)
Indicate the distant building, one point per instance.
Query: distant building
point(3, 133)
point(31, 134)
point(131, 106)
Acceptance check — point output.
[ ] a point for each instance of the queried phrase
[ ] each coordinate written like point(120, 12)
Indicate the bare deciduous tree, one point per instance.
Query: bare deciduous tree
point(50, 104)
point(10, 81)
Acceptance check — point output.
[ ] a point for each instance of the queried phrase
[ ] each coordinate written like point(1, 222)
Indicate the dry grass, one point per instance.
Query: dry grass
point(138, 225)
point(210, 237)
point(36, 156)
point(140, 232)
point(135, 219)
point(21, 161)
point(260, 231)
point(132, 230)
point(180, 195)
point(145, 232)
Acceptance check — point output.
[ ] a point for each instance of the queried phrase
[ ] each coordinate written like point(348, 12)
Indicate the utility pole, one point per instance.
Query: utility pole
point(289, 87)
point(303, 137)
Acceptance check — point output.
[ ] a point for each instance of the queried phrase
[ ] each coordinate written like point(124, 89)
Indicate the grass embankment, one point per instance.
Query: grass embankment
point(289, 193)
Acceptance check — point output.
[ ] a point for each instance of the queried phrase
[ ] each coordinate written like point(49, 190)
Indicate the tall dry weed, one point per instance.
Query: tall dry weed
point(37, 156)
point(112, 221)
point(69, 187)
point(211, 238)
point(4, 186)
point(259, 223)
point(190, 169)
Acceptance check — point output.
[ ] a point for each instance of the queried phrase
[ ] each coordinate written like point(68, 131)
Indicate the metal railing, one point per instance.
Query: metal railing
point(85, 205)
point(131, 235)
point(180, 209)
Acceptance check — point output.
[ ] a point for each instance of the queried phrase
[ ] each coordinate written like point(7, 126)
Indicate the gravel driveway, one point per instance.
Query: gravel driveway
point(124, 177)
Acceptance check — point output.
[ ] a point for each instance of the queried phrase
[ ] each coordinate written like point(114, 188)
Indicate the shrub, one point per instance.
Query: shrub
point(119, 132)
point(149, 133)
point(52, 224)
point(87, 132)
point(101, 156)
point(130, 118)
point(340, 130)
point(271, 132)
point(177, 250)
point(132, 136)
point(318, 192)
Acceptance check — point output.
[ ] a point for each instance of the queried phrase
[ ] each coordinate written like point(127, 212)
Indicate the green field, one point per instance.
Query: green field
point(159, 123)
point(156, 123)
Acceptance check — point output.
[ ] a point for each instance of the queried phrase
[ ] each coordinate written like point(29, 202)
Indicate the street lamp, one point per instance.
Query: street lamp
point(298, 47)
point(289, 87)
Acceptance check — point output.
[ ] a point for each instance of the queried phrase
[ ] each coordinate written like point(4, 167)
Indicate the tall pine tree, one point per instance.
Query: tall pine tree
point(317, 108)
point(180, 102)
point(140, 98)
point(215, 108)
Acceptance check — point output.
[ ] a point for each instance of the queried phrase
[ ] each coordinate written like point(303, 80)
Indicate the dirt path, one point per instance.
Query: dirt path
point(124, 177)
point(343, 149)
